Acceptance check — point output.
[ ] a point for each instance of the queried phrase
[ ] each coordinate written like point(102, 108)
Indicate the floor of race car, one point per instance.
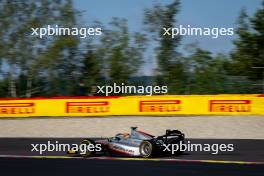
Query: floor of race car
point(16, 158)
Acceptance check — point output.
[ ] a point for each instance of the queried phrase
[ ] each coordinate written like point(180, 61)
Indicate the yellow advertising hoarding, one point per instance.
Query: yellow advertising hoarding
point(251, 104)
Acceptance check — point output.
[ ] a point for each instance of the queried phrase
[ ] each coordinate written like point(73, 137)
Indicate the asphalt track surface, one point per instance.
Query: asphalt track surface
point(16, 158)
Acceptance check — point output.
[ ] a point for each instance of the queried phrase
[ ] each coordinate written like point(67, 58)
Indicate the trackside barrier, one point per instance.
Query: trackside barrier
point(251, 104)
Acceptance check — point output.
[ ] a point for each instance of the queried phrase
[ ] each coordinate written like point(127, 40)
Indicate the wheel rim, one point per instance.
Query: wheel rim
point(146, 149)
point(87, 153)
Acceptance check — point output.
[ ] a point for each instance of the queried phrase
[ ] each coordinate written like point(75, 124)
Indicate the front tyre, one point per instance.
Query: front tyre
point(85, 148)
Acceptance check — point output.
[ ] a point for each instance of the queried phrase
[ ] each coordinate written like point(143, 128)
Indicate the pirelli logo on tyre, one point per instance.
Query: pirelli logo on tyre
point(87, 107)
point(230, 106)
point(17, 108)
point(160, 106)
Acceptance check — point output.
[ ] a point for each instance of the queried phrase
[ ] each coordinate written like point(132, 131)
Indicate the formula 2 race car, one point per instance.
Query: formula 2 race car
point(137, 144)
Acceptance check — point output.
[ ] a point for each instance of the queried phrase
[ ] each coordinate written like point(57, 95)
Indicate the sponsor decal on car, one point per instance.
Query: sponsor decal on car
point(160, 106)
point(87, 107)
point(17, 108)
point(230, 106)
point(121, 149)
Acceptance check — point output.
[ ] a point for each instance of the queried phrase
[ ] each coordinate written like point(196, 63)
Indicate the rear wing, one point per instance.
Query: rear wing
point(174, 133)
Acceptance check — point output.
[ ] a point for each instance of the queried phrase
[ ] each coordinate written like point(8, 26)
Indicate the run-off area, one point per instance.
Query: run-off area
point(211, 127)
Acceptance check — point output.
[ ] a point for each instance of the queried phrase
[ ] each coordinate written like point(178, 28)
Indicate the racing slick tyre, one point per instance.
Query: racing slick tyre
point(147, 149)
point(86, 152)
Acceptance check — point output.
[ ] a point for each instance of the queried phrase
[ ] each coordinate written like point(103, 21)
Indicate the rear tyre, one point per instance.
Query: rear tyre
point(146, 149)
point(86, 152)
